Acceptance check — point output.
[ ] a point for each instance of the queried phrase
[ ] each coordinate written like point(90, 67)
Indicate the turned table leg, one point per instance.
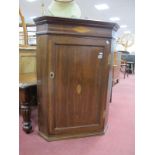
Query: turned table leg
point(25, 109)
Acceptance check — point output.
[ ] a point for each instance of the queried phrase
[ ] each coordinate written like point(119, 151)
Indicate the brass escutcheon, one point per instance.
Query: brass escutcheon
point(78, 89)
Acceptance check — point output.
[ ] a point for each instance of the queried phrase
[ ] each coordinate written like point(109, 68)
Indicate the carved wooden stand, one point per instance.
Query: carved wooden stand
point(25, 109)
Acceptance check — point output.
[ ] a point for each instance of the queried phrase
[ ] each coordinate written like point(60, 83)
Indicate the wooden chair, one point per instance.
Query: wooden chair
point(124, 68)
point(116, 67)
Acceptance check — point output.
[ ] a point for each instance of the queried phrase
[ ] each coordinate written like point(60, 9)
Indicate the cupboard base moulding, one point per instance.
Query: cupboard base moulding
point(70, 136)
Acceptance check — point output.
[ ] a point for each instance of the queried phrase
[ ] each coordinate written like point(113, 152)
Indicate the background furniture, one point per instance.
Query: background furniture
point(27, 32)
point(27, 72)
point(129, 59)
point(27, 60)
point(30, 35)
point(74, 73)
point(116, 67)
point(115, 70)
point(124, 69)
point(27, 84)
point(131, 66)
point(27, 98)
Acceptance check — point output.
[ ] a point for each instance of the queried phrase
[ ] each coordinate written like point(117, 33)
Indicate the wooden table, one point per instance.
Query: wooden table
point(27, 82)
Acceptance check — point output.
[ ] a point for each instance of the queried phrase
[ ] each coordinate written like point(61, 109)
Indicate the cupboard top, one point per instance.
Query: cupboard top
point(73, 21)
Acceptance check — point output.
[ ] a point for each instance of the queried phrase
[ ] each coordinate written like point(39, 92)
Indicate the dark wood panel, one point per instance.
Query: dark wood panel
point(42, 83)
point(77, 80)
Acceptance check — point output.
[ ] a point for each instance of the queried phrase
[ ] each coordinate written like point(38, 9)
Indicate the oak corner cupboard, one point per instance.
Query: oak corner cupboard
point(74, 76)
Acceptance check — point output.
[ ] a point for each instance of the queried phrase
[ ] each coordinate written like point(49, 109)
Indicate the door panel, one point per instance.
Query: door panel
point(77, 85)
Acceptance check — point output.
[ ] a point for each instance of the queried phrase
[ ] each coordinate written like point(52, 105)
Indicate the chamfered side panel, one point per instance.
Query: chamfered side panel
point(77, 85)
point(42, 84)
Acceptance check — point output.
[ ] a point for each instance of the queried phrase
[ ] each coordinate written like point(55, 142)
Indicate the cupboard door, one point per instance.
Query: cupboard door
point(77, 86)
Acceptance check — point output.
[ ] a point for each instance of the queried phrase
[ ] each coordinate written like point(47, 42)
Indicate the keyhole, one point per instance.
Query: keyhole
point(52, 75)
